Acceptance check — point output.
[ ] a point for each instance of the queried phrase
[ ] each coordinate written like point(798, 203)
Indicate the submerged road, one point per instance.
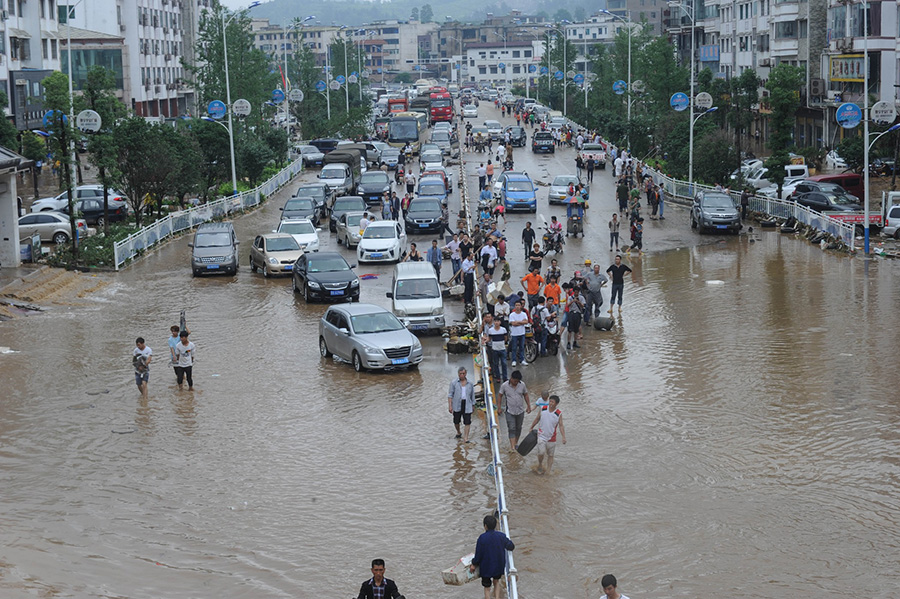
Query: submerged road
point(735, 434)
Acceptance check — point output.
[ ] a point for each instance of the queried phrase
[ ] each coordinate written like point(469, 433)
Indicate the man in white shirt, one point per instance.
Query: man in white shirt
point(548, 420)
point(488, 256)
point(518, 319)
point(141, 357)
point(609, 582)
point(364, 222)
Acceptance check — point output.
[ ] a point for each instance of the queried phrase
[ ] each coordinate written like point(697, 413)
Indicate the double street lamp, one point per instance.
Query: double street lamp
point(630, 25)
point(691, 15)
point(565, 60)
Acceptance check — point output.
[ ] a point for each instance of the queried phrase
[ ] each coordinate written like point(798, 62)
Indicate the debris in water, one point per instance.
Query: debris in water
point(715, 282)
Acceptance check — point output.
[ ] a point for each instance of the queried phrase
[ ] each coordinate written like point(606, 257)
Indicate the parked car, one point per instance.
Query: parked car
point(92, 211)
point(325, 276)
point(852, 183)
point(82, 192)
point(834, 161)
point(425, 215)
point(714, 210)
point(319, 192)
point(542, 141)
point(214, 249)
point(787, 188)
point(344, 204)
point(559, 188)
point(470, 111)
point(296, 208)
point(372, 186)
point(517, 136)
point(595, 151)
point(892, 222)
point(557, 122)
point(828, 201)
point(518, 192)
point(311, 155)
point(304, 232)
point(382, 241)
point(495, 129)
point(416, 296)
point(808, 185)
point(274, 254)
point(348, 231)
point(369, 337)
point(51, 226)
point(748, 165)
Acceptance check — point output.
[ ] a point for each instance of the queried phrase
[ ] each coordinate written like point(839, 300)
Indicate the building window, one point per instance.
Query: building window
point(762, 44)
point(515, 53)
point(516, 69)
point(527, 54)
point(12, 8)
point(786, 30)
point(482, 70)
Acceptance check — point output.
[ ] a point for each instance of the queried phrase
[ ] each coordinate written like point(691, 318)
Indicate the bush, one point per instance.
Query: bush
point(225, 189)
point(96, 251)
point(270, 171)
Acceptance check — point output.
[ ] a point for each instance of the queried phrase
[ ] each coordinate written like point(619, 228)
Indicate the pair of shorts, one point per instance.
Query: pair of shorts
point(141, 377)
point(514, 424)
point(465, 417)
point(486, 582)
point(547, 448)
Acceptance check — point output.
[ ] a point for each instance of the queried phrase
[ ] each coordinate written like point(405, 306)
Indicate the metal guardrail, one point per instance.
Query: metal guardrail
point(176, 222)
point(512, 588)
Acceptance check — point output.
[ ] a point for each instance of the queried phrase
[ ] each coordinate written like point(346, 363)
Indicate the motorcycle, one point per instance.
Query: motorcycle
point(552, 241)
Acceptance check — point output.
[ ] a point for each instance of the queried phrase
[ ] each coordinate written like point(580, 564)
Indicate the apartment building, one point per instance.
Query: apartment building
point(275, 39)
point(156, 36)
point(652, 12)
point(29, 52)
point(503, 63)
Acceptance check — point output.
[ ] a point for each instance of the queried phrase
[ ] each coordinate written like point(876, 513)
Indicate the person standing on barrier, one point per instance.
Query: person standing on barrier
point(379, 587)
point(514, 395)
point(495, 337)
point(617, 271)
point(468, 268)
point(609, 584)
point(490, 557)
point(548, 421)
point(461, 402)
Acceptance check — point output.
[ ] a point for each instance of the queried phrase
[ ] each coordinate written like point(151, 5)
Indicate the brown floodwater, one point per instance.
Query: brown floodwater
point(736, 435)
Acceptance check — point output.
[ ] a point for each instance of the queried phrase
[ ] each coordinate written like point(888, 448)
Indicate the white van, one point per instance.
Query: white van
point(758, 178)
point(416, 296)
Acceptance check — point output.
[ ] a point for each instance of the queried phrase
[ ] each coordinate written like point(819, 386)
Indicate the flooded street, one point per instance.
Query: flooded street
point(736, 434)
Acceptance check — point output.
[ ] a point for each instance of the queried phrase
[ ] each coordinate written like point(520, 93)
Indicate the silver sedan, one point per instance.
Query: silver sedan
point(369, 337)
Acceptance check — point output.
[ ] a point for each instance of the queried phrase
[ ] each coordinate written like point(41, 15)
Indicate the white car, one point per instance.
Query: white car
point(82, 192)
point(382, 241)
point(470, 111)
point(787, 188)
point(303, 231)
point(442, 126)
point(834, 161)
point(431, 160)
point(494, 128)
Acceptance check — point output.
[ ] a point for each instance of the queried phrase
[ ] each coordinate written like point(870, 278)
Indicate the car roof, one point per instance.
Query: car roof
point(382, 223)
point(517, 176)
point(713, 194)
point(417, 270)
point(215, 227)
point(357, 309)
point(291, 221)
point(276, 236)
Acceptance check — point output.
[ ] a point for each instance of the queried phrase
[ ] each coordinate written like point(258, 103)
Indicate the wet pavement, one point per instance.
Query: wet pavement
point(734, 435)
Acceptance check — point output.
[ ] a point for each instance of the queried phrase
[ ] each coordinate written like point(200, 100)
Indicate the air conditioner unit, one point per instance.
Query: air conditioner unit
point(122, 27)
point(168, 57)
point(765, 62)
point(831, 94)
point(817, 87)
point(157, 89)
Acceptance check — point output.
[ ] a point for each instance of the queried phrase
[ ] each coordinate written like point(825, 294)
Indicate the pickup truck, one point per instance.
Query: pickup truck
point(890, 208)
point(342, 171)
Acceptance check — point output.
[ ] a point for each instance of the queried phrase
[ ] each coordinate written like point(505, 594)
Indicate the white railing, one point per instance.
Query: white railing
point(152, 234)
point(512, 588)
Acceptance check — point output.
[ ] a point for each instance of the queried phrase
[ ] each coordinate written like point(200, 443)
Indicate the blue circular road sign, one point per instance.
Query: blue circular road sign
point(848, 115)
point(544, 70)
point(340, 79)
point(354, 74)
point(320, 86)
point(619, 87)
point(50, 115)
point(559, 75)
point(277, 96)
point(679, 101)
point(216, 109)
point(579, 78)
point(532, 68)
point(502, 65)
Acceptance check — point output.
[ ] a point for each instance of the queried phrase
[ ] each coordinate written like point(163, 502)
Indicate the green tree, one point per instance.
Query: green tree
point(57, 99)
point(414, 13)
point(8, 132)
point(214, 164)
point(33, 148)
point(426, 15)
point(559, 55)
point(254, 156)
point(136, 161)
point(851, 150)
point(784, 99)
point(184, 177)
point(99, 95)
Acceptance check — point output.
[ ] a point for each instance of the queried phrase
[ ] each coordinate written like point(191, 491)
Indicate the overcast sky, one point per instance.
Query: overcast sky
point(236, 4)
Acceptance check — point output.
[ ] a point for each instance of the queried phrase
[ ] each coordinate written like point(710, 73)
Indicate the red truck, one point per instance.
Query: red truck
point(396, 105)
point(441, 106)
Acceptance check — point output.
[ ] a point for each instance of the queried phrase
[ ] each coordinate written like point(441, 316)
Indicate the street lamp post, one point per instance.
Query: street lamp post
point(628, 103)
point(691, 15)
point(565, 66)
point(866, 115)
point(69, 12)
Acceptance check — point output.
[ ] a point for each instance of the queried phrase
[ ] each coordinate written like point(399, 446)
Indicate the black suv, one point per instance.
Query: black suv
point(542, 141)
point(517, 136)
point(325, 145)
point(810, 186)
point(715, 210)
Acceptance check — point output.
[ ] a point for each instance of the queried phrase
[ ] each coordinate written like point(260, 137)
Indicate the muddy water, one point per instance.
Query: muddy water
point(726, 439)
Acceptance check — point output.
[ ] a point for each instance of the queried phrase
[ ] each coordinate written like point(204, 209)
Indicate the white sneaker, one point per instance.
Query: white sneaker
point(513, 363)
point(524, 363)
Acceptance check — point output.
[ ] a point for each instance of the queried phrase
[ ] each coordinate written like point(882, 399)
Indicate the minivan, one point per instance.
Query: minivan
point(416, 296)
point(851, 182)
point(214, 249)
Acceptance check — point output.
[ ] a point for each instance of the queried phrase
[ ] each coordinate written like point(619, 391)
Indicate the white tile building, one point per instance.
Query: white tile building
point(483, 62)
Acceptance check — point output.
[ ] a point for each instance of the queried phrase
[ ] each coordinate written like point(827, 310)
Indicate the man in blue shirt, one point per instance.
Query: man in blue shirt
point(490, 556)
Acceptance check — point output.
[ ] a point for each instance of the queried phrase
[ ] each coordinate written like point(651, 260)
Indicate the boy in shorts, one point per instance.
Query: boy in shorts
point(548, 420)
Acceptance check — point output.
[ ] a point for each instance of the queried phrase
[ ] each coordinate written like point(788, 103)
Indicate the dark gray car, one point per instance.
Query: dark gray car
point(372, 186)
point(344, 204)
point(301, 208)
point(715, 211)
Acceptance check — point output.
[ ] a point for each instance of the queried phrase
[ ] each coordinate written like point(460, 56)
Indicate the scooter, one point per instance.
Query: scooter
point(553, 242)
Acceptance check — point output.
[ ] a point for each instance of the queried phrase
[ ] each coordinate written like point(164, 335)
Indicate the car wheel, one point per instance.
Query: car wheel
point(693, 222)
point(323, 348)
point(60, 238)
point(357, 362)
point(338, 240)
point(294, 284)
point(101, 222)
point(265, 272)
point(897, 234)
point(252, 266)
point(306, 293)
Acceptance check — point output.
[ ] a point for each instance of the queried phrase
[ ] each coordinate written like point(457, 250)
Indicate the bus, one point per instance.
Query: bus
point(441, 107)
point(406, 128)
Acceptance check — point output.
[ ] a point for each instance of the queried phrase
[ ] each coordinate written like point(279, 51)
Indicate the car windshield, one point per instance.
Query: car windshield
point(417, 289)
point(310, 192)
point(477, 130)
point(431, 189)
point(564, 181)
point(309, 150)
point(379, 322)
point(400, 130)
point(840, 199)
point(374, 177)
point(333, 264)
point(391, 154)
point(212, 240)
point(593, 148)
point(333, 172)
point(543, 136)
point(349, 204)
point(298, 228)
point(281, 244)
point(717, 202)
point(492, 124)
point(374, 232)
point(299, 204)
point(440, 136)
point(423, 205)
point(519, 186)
point(431, 157)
